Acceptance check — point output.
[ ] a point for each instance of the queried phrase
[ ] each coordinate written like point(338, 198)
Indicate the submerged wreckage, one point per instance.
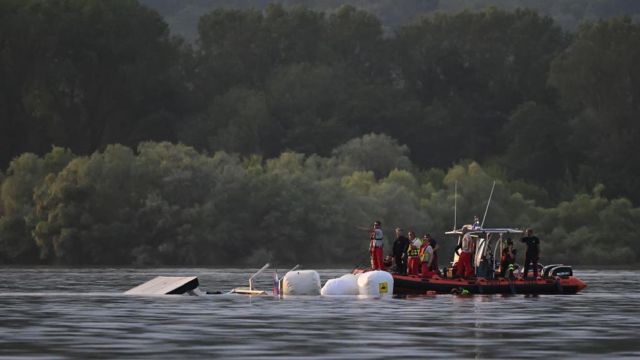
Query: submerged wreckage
point(294, 282)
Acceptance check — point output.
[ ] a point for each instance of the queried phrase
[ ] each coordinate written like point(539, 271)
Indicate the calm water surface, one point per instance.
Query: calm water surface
point(82, 313)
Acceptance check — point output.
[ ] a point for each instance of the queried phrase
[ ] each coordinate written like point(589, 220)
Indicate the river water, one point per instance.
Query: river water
point(81, 313)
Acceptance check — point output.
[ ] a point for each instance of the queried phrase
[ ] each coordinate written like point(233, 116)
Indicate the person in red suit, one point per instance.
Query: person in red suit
point(376, 246)
point(467, 247)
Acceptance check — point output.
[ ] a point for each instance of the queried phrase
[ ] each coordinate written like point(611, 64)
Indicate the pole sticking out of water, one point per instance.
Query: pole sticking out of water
point(282, 279)
point(256, 274)
point(488, 203)
point(294, 268)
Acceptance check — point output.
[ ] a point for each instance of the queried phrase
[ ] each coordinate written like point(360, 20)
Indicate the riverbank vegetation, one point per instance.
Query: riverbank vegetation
point(169, 204)
point(278, 132)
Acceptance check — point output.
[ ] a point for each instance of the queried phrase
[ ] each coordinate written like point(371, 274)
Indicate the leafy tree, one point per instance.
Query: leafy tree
point(308, 103)
point(598, 77)
point(238, 121)
point(356, 39)
point(477, 67)
point(84, 74)
point(537, 149)
point(375, 152)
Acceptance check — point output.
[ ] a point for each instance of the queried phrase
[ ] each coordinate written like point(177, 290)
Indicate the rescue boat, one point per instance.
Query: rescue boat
point(552, 279)
point(414, 285)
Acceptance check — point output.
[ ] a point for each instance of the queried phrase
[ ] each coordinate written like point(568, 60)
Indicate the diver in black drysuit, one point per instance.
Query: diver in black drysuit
point(400, 246)
point(532, 254)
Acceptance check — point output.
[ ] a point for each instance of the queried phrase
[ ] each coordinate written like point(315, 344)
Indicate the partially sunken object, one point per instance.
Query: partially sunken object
point(166, 285)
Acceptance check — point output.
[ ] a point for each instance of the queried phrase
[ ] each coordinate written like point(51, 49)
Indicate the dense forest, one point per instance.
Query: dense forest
point(182, 15)
point(279, 130)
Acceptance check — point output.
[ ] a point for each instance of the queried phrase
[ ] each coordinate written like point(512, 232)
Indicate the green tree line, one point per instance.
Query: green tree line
point(551, 114)
point(169, 204)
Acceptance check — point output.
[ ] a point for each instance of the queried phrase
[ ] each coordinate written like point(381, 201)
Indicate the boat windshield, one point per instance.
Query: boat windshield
point(487, 239)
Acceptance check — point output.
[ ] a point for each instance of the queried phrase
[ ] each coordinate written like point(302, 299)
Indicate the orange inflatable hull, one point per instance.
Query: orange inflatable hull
point(416, 285)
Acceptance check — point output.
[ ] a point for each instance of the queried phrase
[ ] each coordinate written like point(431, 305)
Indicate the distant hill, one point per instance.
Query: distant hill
point(183, 15)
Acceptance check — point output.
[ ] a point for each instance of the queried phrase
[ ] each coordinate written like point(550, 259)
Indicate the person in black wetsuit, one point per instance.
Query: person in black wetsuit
point(532, 254)
point(400, 246)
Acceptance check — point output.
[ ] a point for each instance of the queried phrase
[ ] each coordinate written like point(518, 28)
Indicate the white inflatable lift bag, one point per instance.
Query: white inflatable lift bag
point(344, 285)
point(303, 282)
point(375, 283)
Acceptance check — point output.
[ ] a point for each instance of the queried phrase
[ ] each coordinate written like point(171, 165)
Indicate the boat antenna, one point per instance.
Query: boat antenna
point(455, 206)
point(488, 203)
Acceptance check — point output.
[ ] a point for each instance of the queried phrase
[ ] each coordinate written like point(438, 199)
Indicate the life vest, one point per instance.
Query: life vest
point(376, 237)
point(467, 244)
point(425, 256)
point(413, 251)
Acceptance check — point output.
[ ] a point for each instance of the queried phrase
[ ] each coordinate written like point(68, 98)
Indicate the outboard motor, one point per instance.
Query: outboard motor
point(547, 269)
point(562, 271)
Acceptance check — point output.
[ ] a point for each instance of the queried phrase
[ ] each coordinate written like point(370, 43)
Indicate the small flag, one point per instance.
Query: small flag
point(276, 284)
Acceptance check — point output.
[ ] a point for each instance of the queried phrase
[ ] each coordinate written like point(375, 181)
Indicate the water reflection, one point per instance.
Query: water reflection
point(80, 313)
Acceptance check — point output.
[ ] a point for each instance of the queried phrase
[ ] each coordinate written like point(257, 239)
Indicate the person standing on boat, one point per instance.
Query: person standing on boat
point(464, 268)
point(507, 259)
point(413, 259)
point(426, 258)
point(476, 223)
point(376, 245)
point(400, 246)
point(435, 247)
point(532, 254)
